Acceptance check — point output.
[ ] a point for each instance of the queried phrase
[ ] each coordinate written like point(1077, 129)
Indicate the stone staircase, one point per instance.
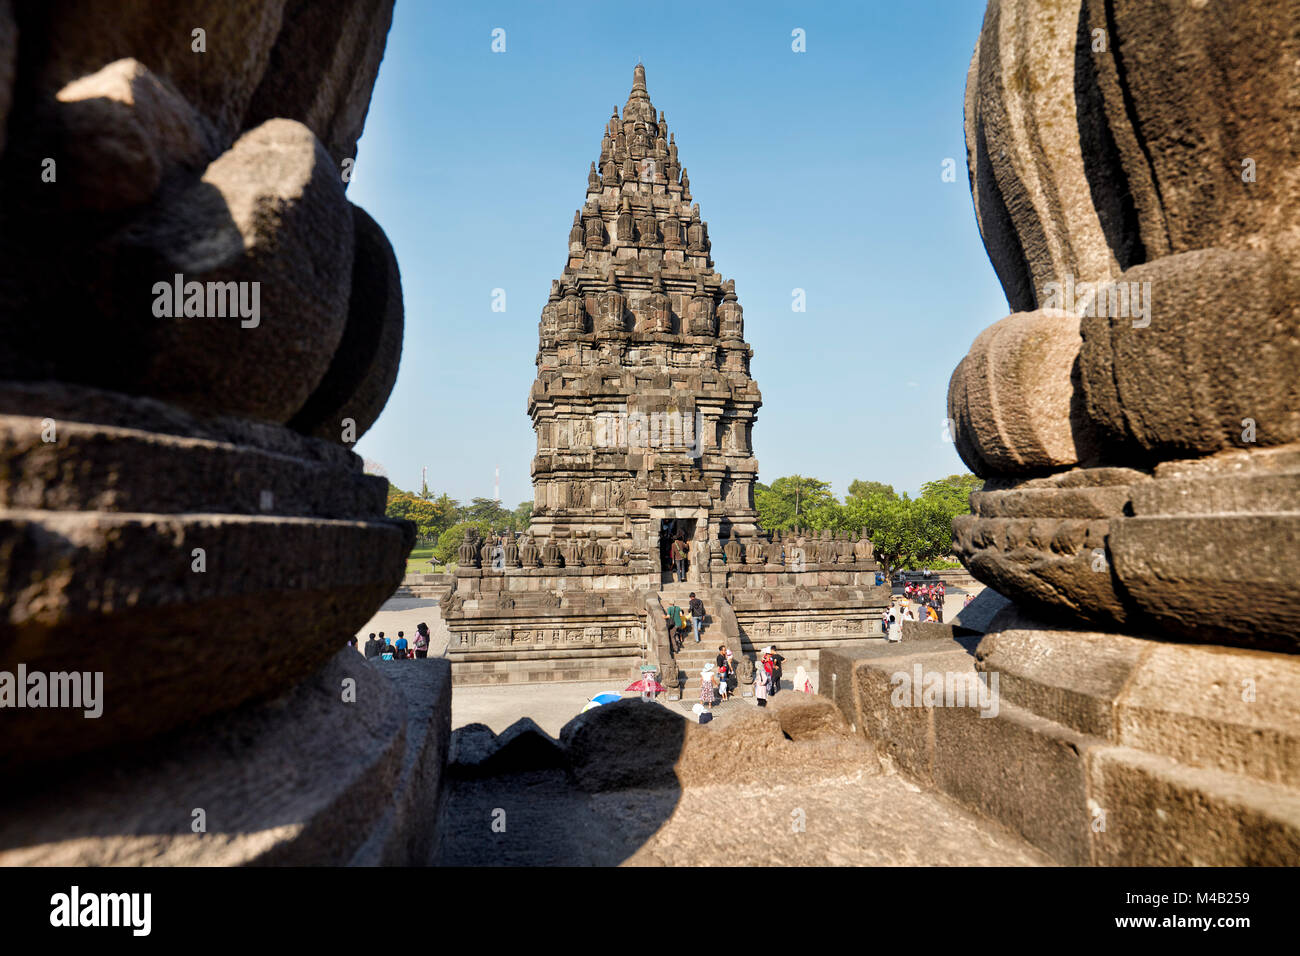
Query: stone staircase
point(690, 660)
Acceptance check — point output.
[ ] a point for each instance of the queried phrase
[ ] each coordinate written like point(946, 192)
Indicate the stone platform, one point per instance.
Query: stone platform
point(309, 778)
point(1101, 749)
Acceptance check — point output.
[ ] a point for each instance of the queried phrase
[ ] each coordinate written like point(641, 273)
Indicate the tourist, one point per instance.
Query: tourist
point(969, 598)
point(399, 647)
point(764, 677)
point(421, 640)
point(894, 634)
point(724, 674)
point(373, 645)
point(386, 649)
point(801, 681)
point(708, 684)
point(678, 553)
point(696, 607)
point(777, 661)
point(676, 625)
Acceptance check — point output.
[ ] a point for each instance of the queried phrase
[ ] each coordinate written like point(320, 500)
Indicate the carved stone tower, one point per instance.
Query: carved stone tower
point(643, 403)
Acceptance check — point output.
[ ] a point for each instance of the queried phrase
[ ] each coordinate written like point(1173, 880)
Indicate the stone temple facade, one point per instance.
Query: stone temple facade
point(644, 410)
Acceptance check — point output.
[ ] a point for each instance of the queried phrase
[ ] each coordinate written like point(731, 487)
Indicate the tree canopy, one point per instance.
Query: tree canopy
point(905, 532)
point(434, 515)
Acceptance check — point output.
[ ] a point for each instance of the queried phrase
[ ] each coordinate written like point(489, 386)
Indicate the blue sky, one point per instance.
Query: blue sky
point(818, 170)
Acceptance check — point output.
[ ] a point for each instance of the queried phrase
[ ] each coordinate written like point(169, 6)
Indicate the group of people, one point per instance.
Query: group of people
point(718, 680)
point(926, 595)
point(920, 602)
point(676, 619)
point(385, 648)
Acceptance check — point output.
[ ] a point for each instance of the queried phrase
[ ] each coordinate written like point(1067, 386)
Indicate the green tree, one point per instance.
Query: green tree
point(523, 514)
point(932, 529)
point(792, 501)
point(890, 524)
point(449, 542)
point(431, 515)
point(863, 489)
point(826, 515)
point(399, 505)
point(489, 510)
point(953, 492)
point(941, 501)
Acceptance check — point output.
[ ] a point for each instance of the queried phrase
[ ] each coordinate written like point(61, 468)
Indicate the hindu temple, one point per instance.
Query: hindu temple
point(644, 409)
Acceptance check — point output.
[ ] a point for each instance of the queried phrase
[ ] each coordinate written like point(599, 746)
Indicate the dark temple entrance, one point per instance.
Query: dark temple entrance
point(670, 529)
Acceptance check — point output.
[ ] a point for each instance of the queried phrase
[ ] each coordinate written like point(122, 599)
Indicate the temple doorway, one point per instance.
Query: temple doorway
point(670, 529)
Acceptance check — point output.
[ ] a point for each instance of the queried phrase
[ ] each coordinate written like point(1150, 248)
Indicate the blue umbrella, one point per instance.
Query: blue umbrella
point(607, 698)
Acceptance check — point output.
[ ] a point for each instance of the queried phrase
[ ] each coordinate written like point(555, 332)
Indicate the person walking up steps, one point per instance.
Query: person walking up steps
point(696, 609)
point(676, 625)
point(678, 553)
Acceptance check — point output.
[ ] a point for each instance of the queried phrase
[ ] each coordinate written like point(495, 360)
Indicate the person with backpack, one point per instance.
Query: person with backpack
point(678, 552)
point(696, 608)
point(421, 640)
point(399, 647)
point(676, 624)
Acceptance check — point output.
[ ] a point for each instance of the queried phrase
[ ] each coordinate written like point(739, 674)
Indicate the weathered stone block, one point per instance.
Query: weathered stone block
point(1161, 813)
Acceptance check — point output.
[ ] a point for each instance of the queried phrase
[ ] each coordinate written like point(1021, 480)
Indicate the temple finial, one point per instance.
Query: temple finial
point(638, 77)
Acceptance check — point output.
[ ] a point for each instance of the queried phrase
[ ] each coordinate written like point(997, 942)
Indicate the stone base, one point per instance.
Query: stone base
point(620, 668)
point(309, 778)
point(1097, 748)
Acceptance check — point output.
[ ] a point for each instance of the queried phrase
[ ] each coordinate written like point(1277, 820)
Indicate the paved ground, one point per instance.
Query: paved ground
point(550, 705)
point(864, 815)
point(402, 614)
point(857, 814)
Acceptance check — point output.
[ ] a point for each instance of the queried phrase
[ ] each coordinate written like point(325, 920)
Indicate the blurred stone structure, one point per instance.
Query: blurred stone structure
point(1135, 168)
point(644, 411)
point(195, 327)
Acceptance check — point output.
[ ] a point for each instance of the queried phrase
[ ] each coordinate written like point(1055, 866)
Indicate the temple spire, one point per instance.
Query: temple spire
point(638, 105)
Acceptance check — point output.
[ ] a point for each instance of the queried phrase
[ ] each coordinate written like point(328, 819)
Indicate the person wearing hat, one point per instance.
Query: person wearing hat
point(708, 682)
point(761, 678)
